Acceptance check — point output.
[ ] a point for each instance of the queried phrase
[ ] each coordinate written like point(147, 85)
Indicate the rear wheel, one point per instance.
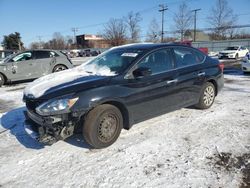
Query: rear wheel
point(2, 80)
point(59, 68)
point(102, 126)
point(207, 96)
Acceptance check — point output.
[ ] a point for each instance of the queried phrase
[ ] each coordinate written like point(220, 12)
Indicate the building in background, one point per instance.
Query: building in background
point(91, 41)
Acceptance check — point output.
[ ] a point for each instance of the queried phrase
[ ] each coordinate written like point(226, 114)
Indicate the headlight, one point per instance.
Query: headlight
point(56, 106)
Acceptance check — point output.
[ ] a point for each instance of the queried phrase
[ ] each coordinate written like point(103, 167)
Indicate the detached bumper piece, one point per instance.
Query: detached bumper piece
point(47, 130)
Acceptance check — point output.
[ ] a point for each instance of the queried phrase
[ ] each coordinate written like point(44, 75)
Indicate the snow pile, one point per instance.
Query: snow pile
point(41, 85)
point(178, 149)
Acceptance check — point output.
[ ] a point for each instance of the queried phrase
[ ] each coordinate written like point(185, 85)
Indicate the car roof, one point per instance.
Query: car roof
point(148, 46)
point(43, 50)
point(236, 46)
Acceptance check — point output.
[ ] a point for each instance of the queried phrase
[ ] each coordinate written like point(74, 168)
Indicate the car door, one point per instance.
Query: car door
point(22, 66)
point(190, 74)
point(44, 60)
point(154, 94)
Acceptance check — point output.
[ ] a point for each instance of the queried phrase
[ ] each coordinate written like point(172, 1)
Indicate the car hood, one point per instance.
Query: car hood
point(228, 51)
point(63, 83)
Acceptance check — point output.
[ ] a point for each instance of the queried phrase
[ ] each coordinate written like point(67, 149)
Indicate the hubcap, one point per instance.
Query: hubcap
point(208, 97)
point(60, 68)
point(107, 127)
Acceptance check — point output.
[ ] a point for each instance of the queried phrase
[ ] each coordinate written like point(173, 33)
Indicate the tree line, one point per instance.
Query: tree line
point(128, 30)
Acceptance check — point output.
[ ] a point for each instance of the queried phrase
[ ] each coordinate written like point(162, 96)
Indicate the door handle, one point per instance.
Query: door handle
point(172, 81)
point(201, 74)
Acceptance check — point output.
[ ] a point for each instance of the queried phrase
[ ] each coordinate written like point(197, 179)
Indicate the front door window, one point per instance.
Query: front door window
point(158, 62)
point(22, 57)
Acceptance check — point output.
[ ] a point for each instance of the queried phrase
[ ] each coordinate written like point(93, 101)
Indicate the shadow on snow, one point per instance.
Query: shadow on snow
point(13, 121)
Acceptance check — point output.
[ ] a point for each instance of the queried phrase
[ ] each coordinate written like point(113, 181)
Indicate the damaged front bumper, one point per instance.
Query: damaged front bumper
point(49, 130)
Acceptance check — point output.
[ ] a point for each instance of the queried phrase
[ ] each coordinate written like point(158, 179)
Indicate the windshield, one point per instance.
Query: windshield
point(6, 59)
point(112, 62)
point(232, 48)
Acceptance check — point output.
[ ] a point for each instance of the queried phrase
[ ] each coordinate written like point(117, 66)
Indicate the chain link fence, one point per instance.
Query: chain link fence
point(215, 46)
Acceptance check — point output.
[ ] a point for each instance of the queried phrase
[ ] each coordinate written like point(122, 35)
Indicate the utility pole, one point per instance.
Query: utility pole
point(162, 10)
point(19, 43)
point(74, 29)
point(40, 41)
point(195, 14)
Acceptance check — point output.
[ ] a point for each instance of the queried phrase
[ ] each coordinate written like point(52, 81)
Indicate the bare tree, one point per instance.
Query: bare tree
point(35, 45)
point(133, 20)
point(222, 19)
point(57, 42)
point(153, 34)
point(115, 32)
point(183, 19)
point(68, 42)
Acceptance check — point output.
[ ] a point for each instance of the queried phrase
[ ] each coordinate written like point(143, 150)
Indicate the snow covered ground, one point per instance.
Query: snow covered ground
point(185, 148)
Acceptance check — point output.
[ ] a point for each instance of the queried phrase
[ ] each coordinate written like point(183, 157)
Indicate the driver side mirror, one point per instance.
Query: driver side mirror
point(142, 72)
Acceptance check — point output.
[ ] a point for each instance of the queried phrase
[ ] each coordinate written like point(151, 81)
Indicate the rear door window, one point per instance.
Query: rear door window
point(187, 57)
point(43, 54)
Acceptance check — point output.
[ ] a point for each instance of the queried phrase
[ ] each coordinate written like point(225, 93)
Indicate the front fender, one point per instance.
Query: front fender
point(112, 95)
point(89, 99)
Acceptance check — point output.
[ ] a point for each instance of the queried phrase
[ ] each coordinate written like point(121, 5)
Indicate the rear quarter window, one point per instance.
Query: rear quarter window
point(187, 57)
point(53, 54)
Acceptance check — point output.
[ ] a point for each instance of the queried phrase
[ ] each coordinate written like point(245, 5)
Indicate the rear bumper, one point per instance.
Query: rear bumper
point(220, 83)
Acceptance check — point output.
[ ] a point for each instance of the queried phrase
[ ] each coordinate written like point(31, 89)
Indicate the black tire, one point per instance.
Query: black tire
point(102, 126)
point(207, 96)
point(237, 56)
point(59, 68)
point(2, 80)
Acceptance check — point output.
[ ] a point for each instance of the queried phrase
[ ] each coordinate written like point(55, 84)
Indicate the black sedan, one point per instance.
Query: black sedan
point(123, 86)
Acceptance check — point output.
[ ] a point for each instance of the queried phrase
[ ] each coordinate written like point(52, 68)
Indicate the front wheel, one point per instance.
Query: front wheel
point(207, 96)
point(102, 126)
point(2, 80)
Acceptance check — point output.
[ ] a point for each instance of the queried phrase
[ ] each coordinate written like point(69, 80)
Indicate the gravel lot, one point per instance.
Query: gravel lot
point(185, 148)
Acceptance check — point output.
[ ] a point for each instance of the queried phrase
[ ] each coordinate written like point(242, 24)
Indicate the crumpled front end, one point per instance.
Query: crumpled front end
point(49, 130)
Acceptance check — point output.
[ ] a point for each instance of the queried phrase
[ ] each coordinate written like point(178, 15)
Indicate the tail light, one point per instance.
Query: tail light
point(221, 66)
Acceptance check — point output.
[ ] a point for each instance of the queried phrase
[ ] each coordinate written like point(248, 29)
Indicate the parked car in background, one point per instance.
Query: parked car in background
point(5, 53)
point(89, 52)
point(245, 65)
point(32, 64)
point(233, 52)
point(74, 53)
point(122, 86)
point(95, 53)
point(189, 43)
